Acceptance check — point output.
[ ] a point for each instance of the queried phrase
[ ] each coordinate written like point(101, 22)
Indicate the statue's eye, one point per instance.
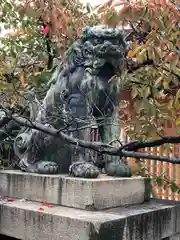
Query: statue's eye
point(98, 41)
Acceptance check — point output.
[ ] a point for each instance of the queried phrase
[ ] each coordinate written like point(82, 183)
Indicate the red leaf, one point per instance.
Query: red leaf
point(170, 57)
point(41, 209)
point(44, 203)
point(11, 199)
point(46, 31)
point(47, 204)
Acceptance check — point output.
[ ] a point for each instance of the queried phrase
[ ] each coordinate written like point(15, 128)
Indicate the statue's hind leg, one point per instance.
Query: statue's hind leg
point(29, 151)
point(81, 166)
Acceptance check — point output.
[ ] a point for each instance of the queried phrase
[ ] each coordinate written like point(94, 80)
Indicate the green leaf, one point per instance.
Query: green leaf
point(174, 187)
point(168, 148)
point(158, 181)
point(178, 132)
point(178, 191)
point(166, 83)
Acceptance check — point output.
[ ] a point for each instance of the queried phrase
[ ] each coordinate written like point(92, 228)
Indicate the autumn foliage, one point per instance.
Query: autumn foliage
point(153, 68)
point(154, 73)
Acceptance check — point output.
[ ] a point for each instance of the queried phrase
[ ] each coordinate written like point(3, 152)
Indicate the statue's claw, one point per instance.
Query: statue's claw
point(84, 170)
point(41, 167)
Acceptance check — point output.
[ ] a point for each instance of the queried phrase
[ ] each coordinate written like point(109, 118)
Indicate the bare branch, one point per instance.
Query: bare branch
point(154, 143)
point(123, 151)
point(172, 160)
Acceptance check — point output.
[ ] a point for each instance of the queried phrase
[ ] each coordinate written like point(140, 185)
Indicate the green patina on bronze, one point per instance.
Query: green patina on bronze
point(81, 89)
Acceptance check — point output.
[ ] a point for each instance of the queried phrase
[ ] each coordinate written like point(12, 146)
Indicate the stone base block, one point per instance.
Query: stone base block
point(154, 220)
point(90, 194)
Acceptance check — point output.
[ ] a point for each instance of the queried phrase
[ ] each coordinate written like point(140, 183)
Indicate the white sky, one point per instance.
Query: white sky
point(93, 2)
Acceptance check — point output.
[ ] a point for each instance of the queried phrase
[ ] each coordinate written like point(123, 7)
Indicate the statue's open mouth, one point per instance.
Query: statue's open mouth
point(107, 71)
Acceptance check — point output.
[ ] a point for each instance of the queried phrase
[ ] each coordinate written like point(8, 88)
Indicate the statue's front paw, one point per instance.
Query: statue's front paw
point(46, 167)
point(117, 169)
point(84, 170)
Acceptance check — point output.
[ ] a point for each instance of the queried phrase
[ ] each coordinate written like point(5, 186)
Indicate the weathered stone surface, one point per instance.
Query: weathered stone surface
point(148, 221)
point(25, 220)
point(154, 220)
point(175, 237)
point(90, 194)
point(4, 237)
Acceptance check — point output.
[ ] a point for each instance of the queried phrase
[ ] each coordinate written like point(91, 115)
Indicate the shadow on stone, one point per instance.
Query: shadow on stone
point(4, 237)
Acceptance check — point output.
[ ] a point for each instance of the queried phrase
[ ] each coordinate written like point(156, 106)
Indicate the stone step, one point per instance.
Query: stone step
point(26, 220)
point(90, 194)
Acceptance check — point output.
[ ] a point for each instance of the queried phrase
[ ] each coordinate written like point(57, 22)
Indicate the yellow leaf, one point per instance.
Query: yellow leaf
point(165, 83)
point(178, 122)
point(137, 50)
point(177, 100)
point(142, 56)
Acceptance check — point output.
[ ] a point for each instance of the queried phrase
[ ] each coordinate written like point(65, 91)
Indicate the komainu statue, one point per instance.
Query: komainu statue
point(81, 89)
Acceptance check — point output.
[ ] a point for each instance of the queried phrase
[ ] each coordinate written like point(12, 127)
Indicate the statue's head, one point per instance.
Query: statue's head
point(101, 48)
point(90, 62)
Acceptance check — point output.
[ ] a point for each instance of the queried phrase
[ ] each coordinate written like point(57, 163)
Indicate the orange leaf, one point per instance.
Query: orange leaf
point(130, 53)
point(156, 27)
point(21, 79)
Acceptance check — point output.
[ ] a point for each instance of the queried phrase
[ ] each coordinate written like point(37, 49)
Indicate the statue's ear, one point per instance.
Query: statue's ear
point(86, 32)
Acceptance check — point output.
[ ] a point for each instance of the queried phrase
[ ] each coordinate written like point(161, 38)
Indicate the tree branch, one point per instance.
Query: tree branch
point(154, 143)
point(123, 151)
point(59, 134)
point(133, 68)
point(172, 160)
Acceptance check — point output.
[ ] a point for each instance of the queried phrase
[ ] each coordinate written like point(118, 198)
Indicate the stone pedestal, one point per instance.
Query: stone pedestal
point(84, 209)
point(90, 194)
point(175, 237)
point(153, 220)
